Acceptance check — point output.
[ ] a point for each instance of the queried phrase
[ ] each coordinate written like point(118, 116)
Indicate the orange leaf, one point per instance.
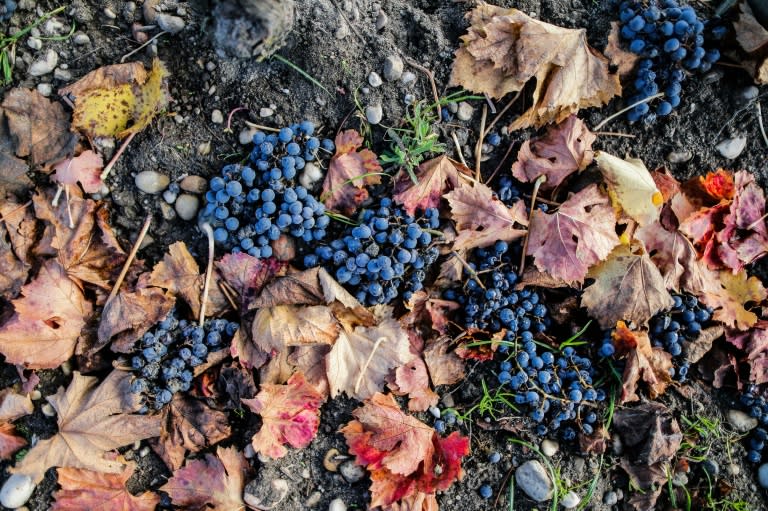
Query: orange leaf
point(435, 177)
point(344, 185)
point(9, 442)
point(85, 489)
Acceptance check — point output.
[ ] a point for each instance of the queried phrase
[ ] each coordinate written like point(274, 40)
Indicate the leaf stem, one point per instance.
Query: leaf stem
point(367, 363)
point(630, 107)
point(117, 155)
point(206, 227)
point(539, 180)
point(129, 260)
point(479, 144)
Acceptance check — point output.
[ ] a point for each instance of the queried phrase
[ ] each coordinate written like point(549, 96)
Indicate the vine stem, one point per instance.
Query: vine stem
point(206, 227)
point(130, 259)
point(630, 107)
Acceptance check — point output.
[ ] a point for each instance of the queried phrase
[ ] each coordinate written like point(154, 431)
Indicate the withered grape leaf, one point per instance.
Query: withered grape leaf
point(732, 296)
point(352, 168)
point(643, 363)
point(413, 379)
point(631, 186)
point(84, 169)
point(95, 491)
point(435, 177)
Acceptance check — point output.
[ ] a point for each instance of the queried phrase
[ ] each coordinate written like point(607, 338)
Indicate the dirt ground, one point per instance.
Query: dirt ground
point(338, 44)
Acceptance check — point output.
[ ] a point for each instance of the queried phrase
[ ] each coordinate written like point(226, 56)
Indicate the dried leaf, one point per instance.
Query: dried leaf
point(84, 169)
point(752, 36)
point(9, 441)
point(581, 233)
point(624, 60)
point(130, 315)
point(566, 148)
point(246, 351)
point(730, 300)
point(20, 221)
point(92, 420)
point(107, 77)
point(85, 489)
point(482, 219)
point(412, 379)
point(643, 363)
point(504, 49)
point(348, 173)
point(628, 286)
point(276, 328)
point(631, 186)
point(13, 405)
point(310, 361)
point(13, 271)
point(445, 367)
point(151, 98)
point(290, 414)
point(247, 275)
point(217, 481)
point(13, 170)
point(435, 177)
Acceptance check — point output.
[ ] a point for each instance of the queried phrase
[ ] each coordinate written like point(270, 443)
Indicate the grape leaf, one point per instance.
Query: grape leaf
point(84, 169)
point(13, 170)
point(129, 315)
point(349, 172)
point(631, 187)
point(752, 36)
point(754, 342)
point(217, 481)
point(13, 271)
point(643, 363)
point(504, 49)
point(627, 286)
point(13, 405)
point(566, 148)
point(247, 275)
point(412, 379)
point(92, 420)
point(290, 414)
point(435, 177)
point(579, 234)
point(276, 328)
point(85, 489)
point(445, 367)
point(744, 238)
point(9, 441)
point(482, 219)
point(732, 296)
point(106, 77)
point(621, 58)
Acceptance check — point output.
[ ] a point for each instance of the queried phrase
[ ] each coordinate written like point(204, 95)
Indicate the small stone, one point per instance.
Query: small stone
point(81, 39)
point(246, 136)
point(762, 475)
point(533, 479)
point(265, 495)
point(35, 395)
point(249, 451)
point(194, 184)
point(465, 111)
point(407, 78)
point(452, 107)
point(393, 68)
point(217, 117)
point(610, 498)
point(204, 148)
point(45, 89)
point(741, 421)
point(733, 469)
point(34, 43)
point(44, 65)
point(711, 467)
point(341, 32)
point(210, 66)
point(409, 99)
point(313, 500)
point(748, 94)
point(186, 206)
point(150, 181)
point(337, 505)
point(351, 471)
point(48, 410)
point(64, 75)
point(679, 156)
point(109, 13)
point(149, 11)
point(374, 113)
point(680, 479)
point(170, 196)
point(169, 23)
point(570, 500)
point(731, 148)
point(266, 112)
point(16, 491)
point(381, 20)
point(144, 451)
point(167, 211)
point(374, 79)
point(712, 76)
point(435, 411)
point(549, 447)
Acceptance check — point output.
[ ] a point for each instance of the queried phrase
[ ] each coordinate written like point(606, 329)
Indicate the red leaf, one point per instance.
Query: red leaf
point(84, 169)
point(434, 178)
point(412, 379)
point(9, 442)
point(248, 274)
point(94, 491)
point(344, 185)
point(718, 185)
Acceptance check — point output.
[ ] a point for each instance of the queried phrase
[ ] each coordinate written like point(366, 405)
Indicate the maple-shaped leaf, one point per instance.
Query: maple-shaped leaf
point(95, 491)
point(92, 420)
point(84, 169)
point(643, 363)
point(290, 414)
point(744, 238)
point(621, 58)
point(631, 186)
point(361, 359)
point(482, 219)
point(215, 480)
point(47, 322)
point(628, 286)
point(752, 36)
point(730, 300)
point(445, 367)
point(581, 233)
point(14, 405)
point(275, 328)
point(504, 49)
point(247, 275)
point(351, 169)
point(566, 148)
point(129, 315)
point(434, 178)
point(9, 441)
point(412, 379)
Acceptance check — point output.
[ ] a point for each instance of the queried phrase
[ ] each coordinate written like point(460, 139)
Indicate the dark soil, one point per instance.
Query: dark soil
point(186, 142)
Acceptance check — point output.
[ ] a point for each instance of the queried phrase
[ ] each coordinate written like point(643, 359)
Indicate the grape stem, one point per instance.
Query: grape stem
point(626, 109)
point(539, 180)
point(129, 260)
point(458, 148)
point(760, 122)
point(206, 227)
point(479, 144)
point(472, 273)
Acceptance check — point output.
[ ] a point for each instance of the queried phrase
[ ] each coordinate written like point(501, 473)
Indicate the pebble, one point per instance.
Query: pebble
point(149, 11)
point(16, 491)
point(393, 68)
point(266, 112)
point(170, 196)
point(712, 76)
point(351, 471)
point(711, 467)
point(435, 411)
point(762, 475)
point(374, 79)
point(741, 421)
point(533, 479)
point(267, 498)
point(150, 181)
point(34, 43)
point(81, 39)
point(680, 479)
point(748, 94)
point(246, 136)
point(169, 23)
point(730, 148)
point(64, 75)
point(217, 117)
point(381, 20)
point(35, 395)
point(109, 13)
point(313, 500)
point(45, 89)
point(549, 447)
point(53, 27)
point(44, 65)
point(374, 113)
point(570, 500)
point(194, 184)
point(337, 505)
point(341, 32)
point(311, 175)
point(204, 148)
point(733, 469)
point(465, 111)
point(409, 98)
point(48, 410)
point(407, 78)
point(610, 498)
point(679, 156)
point(186, 206)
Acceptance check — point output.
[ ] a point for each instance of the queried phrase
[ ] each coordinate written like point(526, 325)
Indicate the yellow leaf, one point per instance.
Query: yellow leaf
point(151, 98)
point(631, 186)
point(104, 112)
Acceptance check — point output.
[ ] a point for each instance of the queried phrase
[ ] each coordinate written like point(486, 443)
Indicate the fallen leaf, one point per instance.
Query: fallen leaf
point(310, 361)
point(234, 383)
point(47, 322)
point(730, 300)
point(752, 36)
point(107, 77)
point(104, 112)
point(351, 169)
point(504, 49)
point(13, 170)
point(276, 328)
point(9, 441)
point(643, 363)
point(426, 314)
point(84, 169)
point(649, 480)
point(632, 187)
point(754, 343)
point(151, 98)
point(13, 271)
point(718, 185)
point(92, 420)
point(14, 405)
point(217, 481)
point(85, 489)
point(246, 351)
point(20, 221)
point(309, 287)
point(581, 233)
point(666, 183)
point(744, 238)
point(482, 219)
point(566, 148)
point(130, 315)
point(434, 177)
point(623, 60)
point(290, 414)
point(445, 367)
point(412, 379)
point(247, 275)
point(627, 286)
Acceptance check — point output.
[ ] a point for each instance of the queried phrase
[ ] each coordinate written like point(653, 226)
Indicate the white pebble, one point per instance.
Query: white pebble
point(381, 20)
point(341, 32)
point(731, 148)
point(374, 79)
point(35, 395)
point(151, 181)
point(393, 68)
point(34, 43)
point(45, 89)
point(435, 411)
point(374, 113)
point(533, 479)
point(217, 117)
point(48, 410)
point(337, 505)
point(170, 196)
point(16, 491)
point(109, 13)
point(465, 111)
point(186, 206)
point(81, 39)
point(570, 500)
point(311, 175)
point(762, 475)
point(246, 136)
point(64, 75)
point(740, 421)
point(204, 148)
point(407, 78)
point(169, 23)
point(549, 447)
point(44, 65)
point(266, 112)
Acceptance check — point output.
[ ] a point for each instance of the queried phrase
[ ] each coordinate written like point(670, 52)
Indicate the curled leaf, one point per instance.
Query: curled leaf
point(632, 187)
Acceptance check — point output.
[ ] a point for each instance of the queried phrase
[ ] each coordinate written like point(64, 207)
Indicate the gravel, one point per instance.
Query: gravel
point(337, 505)
point(194, 184)
point(217, 117)
point(741, 421)
point(570, 500)
point(533, 479)
point(407, 78)
point(465, 111)
point(393, 68)
point(351, 471)
point(549, 447)
point(151, 181)
point(44, 65)
point(610, 498)
point(374, 113)
point(169, 23)
point(731, 148)
point(186, 206)
point(374, 79)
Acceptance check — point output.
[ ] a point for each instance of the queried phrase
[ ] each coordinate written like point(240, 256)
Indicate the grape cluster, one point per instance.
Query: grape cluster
point(7, 8)
point(168, 355)
point(387, 255)
point(670, 40)
point(251, 206)
point(757, 407)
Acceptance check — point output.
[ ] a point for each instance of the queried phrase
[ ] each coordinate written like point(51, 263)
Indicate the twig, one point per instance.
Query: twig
point(760, 122)
point(117, 155)
point(613, 134)
point(59, 189)
point(504, 110)
point(479, 144)
point(429, 74)
point(149, 41)
point(472, 273)
point(261, 127)
point(129, 260)
point(498, 167)
point(228, 129)
point(754, 224)
point(458, 148)
point(630, 107)
point(69, 209)
point(207, 282)
point(367, 363)
point(539, 180)
point(490, 103)
point(229, 293)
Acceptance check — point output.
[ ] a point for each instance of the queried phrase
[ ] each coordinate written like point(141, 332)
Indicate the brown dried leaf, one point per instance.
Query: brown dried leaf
point(753, 39)
point(435, 177)
point(13, 405)
point(643, 362)
point(9, 441)
point(130, 315)
point(624, 60)
point(445, 367)
point(247, 275)
point(107, 77)
point(310, 361)
point(13, 271)
point(20, 221)
point(13, 170)
point(94, 491)
point(276, 328)
point(344, 186)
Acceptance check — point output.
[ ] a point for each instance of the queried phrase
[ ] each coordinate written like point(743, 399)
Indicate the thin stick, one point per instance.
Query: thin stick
point(490, 103)
point(479, 144)
point(59, 189)
point(208, 271)
point(504, 110)
point(69, 209)
point(117, 155)
point(472, 273)
point(228, 129)
point(630, 107)
point(260, 127)
point(754, 224)
point(429, 75)
point(367, 363)
point(128, 261)
point(458, 148)
point(122, 59)
point(613, 134)
point(539, 180)
point(760, 122)
point(498, 167)
point(229, 293)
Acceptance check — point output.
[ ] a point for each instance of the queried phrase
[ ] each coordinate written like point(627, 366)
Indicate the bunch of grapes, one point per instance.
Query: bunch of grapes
point(387, 255)
point(670, 40)
point(757, 407)
point(7, 8)
point(251, 206)
point(168, 355)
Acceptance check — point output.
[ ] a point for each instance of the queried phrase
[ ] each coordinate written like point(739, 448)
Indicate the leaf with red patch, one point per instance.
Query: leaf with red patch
point(434, 178)
point(412, 379)
point(94, 491)
point(9, 441)
point(350, 171)
point(248, 275)
point(84, 169)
